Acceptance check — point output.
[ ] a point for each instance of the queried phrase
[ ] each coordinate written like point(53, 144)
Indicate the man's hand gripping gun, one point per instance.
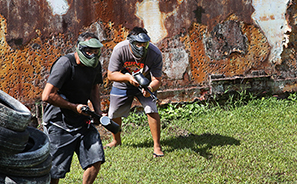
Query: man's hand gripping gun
point(143, 84)
point(104, 120)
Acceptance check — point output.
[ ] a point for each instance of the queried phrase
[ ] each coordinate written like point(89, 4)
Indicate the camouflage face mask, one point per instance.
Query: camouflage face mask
point(89, 52)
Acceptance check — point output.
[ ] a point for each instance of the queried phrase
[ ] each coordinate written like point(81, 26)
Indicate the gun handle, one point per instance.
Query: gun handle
point(87, 110)
point(155, 99)
point(104, 120)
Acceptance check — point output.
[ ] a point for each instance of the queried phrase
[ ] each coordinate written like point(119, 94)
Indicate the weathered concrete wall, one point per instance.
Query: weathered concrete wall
point(209, 47)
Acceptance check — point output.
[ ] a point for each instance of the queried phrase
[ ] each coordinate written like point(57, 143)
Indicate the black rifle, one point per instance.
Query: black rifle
point(144, 83)
point(104, 120)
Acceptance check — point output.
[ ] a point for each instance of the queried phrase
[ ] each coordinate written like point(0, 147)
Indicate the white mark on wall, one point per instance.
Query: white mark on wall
point(270, 16)
point(176, 61)
point(153, 19)
point(59, 7)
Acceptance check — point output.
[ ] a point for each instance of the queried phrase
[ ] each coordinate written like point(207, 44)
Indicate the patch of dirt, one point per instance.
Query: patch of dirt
point(179, 132)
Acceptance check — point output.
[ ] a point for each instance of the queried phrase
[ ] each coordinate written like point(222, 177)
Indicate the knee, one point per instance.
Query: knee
point(154, 115)
point(96, 166)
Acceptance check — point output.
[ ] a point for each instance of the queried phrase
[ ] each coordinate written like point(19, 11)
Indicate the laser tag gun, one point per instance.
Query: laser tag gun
point(143, 83)
point(104, 120)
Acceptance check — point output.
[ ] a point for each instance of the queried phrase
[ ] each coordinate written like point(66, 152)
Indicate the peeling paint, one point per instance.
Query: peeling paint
point(59, 7)
point(176, 61)
point(270, 16)
point(208, 47)
point(226, 38)
point(153, 19)
point(236, 63)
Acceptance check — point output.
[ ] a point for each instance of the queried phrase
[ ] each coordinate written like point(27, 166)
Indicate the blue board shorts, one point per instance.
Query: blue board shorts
point(85, 142)
point(121, 101)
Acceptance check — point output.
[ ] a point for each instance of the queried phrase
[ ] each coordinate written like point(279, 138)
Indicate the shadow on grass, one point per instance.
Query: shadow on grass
point(201, 144)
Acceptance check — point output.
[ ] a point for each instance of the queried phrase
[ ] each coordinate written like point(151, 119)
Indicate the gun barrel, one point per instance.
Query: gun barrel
point(104, 120)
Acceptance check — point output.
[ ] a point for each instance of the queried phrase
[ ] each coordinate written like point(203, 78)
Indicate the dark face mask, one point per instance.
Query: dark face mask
point(139, 51)
point(136, 40)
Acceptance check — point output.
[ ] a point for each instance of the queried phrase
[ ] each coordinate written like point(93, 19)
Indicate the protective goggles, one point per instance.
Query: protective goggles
point(89, 52)
point(141, 44)
point(90, 48)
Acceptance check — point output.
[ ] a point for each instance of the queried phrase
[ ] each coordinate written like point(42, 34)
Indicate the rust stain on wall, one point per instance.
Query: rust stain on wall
point(226, 38)
point(24, 71)
point(155, 22)
point(39, 15)
point(233, 61)
point(200, 40)
point(288, 67)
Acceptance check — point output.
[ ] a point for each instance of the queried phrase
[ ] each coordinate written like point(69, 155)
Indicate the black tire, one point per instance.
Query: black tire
point(34, 171)
point(13, 114)
point(46, 179)
point(12, 142)
point(36, 151)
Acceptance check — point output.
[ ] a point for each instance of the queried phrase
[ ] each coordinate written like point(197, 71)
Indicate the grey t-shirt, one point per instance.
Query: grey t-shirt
point(123, 60)
point(75, 83)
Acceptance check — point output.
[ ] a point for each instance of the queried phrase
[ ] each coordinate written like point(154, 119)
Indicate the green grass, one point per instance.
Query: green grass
point(240, 142)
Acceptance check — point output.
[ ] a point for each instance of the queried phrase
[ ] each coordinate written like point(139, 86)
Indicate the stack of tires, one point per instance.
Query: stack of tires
point(24, 150)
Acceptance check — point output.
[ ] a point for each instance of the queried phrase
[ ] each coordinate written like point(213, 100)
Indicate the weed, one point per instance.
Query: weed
point(246, 141)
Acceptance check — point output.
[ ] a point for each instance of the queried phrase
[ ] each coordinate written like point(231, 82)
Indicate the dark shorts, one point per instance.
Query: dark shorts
point(86, 143)
point(121, 101)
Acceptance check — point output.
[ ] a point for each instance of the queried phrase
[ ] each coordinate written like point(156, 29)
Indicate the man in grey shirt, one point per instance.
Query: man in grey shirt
point(136, 54)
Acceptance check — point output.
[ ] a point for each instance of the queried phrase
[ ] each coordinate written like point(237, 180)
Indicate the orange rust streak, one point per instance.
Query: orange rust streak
point(290, 88)
point(236, 64)
point(267, 18)
point(23, 69)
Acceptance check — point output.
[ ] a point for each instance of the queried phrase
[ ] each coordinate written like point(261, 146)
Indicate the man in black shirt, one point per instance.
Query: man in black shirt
point(74, 80)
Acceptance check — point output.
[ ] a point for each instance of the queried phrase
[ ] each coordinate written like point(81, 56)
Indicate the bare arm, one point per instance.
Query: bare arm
point(51, 96)
point(95, 98)
point(153, 86)
point(120, 77)
point(156, 83)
